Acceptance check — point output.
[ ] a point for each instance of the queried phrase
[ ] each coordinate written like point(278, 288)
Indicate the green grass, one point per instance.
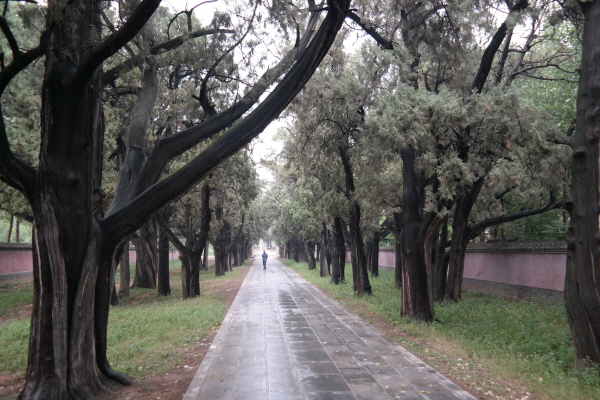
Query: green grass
point(147, 334)
point(524, 343)
point(151, 336)
point(13, 295)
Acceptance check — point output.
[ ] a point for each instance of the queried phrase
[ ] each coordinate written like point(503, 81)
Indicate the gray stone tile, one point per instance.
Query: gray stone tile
point(305, 337)
point(317, 368)
point(369, 391)
point(323, 383)
point(330, 396)
point(357, 375)
point(249, 394)
point(310, 355)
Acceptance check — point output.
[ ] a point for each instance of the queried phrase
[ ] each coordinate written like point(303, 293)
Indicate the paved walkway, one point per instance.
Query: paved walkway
point(285, 339)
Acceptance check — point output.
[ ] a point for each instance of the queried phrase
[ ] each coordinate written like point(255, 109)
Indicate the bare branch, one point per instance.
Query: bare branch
point(12, 42)
point(116, 41)
point(112, 74)
point(20, 63)
point(122, 222)
point(385, 44)
point(488, 55)
point(477, 229)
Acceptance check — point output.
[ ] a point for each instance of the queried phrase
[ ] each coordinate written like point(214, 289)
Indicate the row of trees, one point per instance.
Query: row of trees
point(101, 74)
point(454, 120)
point(438, 97)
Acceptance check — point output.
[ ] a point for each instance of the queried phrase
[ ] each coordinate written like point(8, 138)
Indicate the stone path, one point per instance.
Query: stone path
point(284, 339)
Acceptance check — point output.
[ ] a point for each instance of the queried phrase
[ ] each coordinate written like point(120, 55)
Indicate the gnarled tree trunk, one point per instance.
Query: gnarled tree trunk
point(417, 301)
point(582, 280)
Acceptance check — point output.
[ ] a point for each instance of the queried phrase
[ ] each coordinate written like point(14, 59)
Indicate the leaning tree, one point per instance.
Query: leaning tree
point(74, 246)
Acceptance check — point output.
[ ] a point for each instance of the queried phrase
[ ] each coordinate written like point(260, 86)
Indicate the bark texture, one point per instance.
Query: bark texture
point(417, 301)
point(582, 282)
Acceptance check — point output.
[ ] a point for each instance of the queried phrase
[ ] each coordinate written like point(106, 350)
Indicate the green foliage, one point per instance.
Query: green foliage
point(551, 225)
point(526, 343)
point(24, 229)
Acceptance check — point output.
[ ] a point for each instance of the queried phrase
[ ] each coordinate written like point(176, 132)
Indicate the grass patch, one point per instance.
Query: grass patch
point(524, 343)
point(150, 336)
point(14, 295)
point(147, 334)
point(14, 342)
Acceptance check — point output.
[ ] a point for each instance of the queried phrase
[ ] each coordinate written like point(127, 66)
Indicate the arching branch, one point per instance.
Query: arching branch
point(124, 221)
point(112, 74)
point(116, 41)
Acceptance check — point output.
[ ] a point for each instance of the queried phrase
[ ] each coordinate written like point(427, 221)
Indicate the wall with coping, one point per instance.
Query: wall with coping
point(15, 258)
point(528, 264)
point(537, 264)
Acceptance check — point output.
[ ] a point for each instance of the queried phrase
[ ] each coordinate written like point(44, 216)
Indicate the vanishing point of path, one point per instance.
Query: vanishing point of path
point(284, 339)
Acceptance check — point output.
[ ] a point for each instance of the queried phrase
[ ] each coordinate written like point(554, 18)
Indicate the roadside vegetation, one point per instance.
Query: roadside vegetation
point(148, 334)
point(501, 348)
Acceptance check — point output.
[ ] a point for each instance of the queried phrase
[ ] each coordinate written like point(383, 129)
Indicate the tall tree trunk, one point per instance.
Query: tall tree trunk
point(582, 298)
point(125, 271)
point(416, 298)
point(325, 255)
point(359, 259)
point(72, 261)
point(10, 228)
point(357, 246)
point(205, 256)
point(374, 260)
point(309, 250)
point(460, 239)
point(219, 246)
point(164, 284)
point(146, 257)
point(441, 266)
point(18, 230)
point(395, 227)
point(398, 262)
point(338, 253)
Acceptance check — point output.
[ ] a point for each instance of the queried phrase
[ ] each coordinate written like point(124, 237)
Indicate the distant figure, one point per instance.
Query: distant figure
point(265, 256)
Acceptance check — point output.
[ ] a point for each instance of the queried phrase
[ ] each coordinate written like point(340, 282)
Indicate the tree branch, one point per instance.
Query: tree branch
point(385, 44)
point(165, 149)
point(116, 41)
point(488, 55)
point(13, 171)
point(475, 230)
point(20, 63)
point(124, 221)
point(112, 74)
point(12, 42)
point(170, 234)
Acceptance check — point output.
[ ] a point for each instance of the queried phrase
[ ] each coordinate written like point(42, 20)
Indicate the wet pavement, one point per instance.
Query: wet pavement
point(284, 339)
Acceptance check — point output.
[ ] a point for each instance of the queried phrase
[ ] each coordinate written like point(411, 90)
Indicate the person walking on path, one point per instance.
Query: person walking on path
point(265, 256)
